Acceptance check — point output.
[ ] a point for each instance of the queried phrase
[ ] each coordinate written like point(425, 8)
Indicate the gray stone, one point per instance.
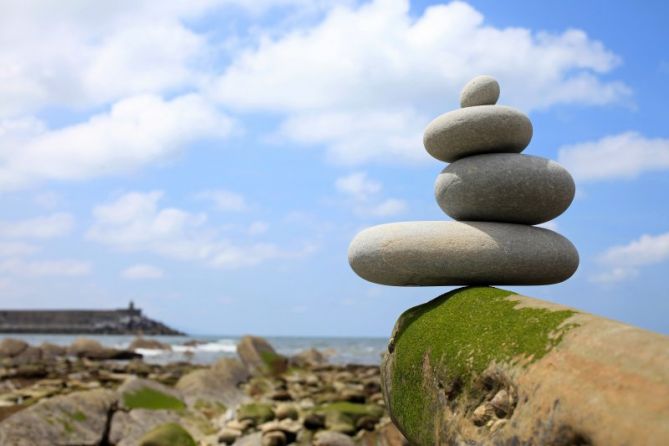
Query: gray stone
point(128, 427)
point(504, 187)
point(461, 253)
point(259, 356)
point(79, 418)
point(331, 438)
point(477, 130)
point(482, 90)
point(217, 384)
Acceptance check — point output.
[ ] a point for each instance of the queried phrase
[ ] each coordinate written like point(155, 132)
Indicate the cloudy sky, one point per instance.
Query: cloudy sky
point(212, 159)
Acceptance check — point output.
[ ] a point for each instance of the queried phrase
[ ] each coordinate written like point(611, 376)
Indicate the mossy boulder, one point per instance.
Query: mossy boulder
point(344, 416)
point(138, 393)
point(76, 418)
point(258, 413)
point(447, 357)
point(259, 356)
point(170, 434)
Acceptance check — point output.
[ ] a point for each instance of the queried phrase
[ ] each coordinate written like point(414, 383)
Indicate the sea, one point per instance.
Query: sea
point(206, 349)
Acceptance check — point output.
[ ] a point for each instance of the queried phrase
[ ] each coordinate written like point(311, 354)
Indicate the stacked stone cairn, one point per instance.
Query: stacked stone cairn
point(495, 194)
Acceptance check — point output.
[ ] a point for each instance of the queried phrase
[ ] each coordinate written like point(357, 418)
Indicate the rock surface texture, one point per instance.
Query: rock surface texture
point(484, 366)
point(494, 192)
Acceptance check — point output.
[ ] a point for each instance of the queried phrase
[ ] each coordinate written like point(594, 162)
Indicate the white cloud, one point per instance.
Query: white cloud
point(387, 208)
point(50, 226)
point(44, 268)
point(358, 186)
point(359, 94)
point(136, 131)
point(224, 200)
point(626, 155)
point(258, 227)
point(48, 199)
point(134, 222)
point(142, 271)
point(624, 261)
point(83, 54)
point(17, 249)
point(364, 194)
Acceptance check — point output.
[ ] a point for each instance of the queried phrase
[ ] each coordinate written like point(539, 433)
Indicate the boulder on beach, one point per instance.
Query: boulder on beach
point(128, 427)
point(259, 356)
point(308, 358)
point(10, 347)
point(218, 383)
point(79, 418)
point(170, 434)
point(92, 349)
point(148, 344)
point(481, 365)
point(138, 393)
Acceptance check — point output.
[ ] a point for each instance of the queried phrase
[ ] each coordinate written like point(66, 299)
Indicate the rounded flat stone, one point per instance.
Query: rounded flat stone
point(477, 130)
point(504, 187)
point(428, 253)
point(482, 90)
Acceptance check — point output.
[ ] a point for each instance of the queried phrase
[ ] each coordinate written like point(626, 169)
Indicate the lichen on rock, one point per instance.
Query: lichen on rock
point(444, 354)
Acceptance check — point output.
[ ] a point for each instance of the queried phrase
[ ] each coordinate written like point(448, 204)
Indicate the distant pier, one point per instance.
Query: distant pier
point(128, 320)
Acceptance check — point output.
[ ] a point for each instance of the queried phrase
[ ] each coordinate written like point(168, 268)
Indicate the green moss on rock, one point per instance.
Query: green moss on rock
point(352, 410)
point(257, 412)
point(170, 434)
point(148, 398)
point(454, 339)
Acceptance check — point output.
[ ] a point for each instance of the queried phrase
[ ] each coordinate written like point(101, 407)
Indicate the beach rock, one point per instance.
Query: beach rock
point(52, 351)
point(482, 90)
point(477, 130)
point(330, 438)
point(482, 365)
point(309, 358)
point(30, 355)
point(79, 418)
point(386, 434)
point(274, 438)
point(254, 439)
point(258, 413)
point(128, 427)
point(217, 384)
point(139, 393)
point(149, 344)
point(92, 349)
point(10, 347)
point(228, 435)
point(505, 187)
point(259, 356)
point(170, 434)
point(286, 411)
point(461, 253)
point(314, 421)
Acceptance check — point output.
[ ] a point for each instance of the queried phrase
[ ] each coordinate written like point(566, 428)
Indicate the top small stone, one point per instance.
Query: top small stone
point(482, 90)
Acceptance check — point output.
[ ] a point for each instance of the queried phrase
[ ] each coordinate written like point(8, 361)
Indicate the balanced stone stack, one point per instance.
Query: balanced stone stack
point(494, 193)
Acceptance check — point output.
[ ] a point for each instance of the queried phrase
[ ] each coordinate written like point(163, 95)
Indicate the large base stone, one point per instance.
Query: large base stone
point(484, 366)
point(461, 253)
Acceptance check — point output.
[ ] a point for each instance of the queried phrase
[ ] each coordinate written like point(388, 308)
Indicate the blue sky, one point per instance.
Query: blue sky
point(211, 160)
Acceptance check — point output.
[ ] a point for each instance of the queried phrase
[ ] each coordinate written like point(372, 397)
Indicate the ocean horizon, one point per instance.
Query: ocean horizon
point(207, 349)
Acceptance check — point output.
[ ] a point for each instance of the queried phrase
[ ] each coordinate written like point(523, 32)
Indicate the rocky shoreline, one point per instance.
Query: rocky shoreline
point(87, 394)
